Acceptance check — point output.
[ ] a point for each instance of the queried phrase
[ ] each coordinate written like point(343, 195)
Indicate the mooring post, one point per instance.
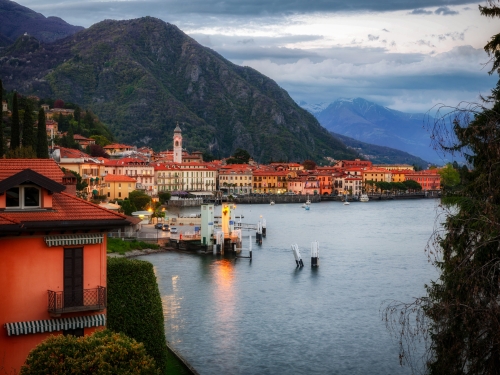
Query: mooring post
point(314, 254)
point(258, 236)
point(264, 228)
point(297, 256)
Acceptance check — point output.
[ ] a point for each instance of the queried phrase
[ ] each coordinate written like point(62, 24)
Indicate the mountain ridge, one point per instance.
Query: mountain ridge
point(143, 76)
point(369, 122)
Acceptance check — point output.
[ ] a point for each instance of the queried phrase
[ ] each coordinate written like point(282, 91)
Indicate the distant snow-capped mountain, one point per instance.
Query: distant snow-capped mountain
point(372, 123)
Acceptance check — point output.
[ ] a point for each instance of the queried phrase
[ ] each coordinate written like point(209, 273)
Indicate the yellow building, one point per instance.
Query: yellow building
point(118, 186)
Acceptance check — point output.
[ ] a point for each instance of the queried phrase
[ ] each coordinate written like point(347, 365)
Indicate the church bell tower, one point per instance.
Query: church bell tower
point(177, 145)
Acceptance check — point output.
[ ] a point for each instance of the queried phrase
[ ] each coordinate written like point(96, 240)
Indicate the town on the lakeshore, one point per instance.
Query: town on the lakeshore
point(129, 168)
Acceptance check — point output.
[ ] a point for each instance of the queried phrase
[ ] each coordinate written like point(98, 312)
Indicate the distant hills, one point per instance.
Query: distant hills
point(382, 154)
point(142, 76)
point(369, 122)
point(15, 20)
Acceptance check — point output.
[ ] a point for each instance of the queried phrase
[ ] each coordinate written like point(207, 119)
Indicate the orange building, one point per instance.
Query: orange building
point(429, 179)
point(53, 259)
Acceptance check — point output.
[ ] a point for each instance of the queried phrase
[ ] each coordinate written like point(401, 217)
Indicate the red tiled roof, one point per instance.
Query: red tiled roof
point(118, 178)
point(82, 138)
point(65, 207)
point(46, 167)
point(70, 153)
point(117, 145)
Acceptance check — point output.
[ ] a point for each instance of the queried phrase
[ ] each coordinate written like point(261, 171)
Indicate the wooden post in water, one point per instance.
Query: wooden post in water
point(297, 256)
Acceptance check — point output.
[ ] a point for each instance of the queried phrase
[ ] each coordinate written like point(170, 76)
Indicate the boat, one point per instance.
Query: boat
point(308, 202)
point(271, 203)
point(364, 198)
point(307, 208)
point(346, 202)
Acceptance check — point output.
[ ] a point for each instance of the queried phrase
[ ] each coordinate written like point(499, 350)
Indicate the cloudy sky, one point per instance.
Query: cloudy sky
point(405, 54)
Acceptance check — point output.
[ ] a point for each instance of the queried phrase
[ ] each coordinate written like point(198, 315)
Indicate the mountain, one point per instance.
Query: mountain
point(16, 20)
point(381, 154)
point(369, 122)
point(143, 76)
point(4, 41)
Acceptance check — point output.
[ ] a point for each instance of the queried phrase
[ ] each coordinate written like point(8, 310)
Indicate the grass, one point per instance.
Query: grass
point(175, 366)
point(117, 245)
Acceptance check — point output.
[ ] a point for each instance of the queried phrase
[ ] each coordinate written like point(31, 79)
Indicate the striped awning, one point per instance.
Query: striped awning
point(74, 239)
point(51, 325)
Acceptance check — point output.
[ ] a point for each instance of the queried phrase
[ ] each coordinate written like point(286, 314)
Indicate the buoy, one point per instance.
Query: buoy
point(296, 254)
point(314, 254)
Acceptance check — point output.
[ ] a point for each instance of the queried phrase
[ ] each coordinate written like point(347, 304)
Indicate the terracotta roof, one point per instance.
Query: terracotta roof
point(117, 145)
point(70, 153)
point(118, 178)
point(46, 167)
point(65, 207)
point(82, 138)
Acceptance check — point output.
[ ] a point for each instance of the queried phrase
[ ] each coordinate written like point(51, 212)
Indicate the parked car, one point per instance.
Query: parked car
point(173, 230)
point(159, 226)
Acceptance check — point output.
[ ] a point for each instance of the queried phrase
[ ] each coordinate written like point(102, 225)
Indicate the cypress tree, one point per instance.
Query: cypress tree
point(42, 147)
point(15, 137)
point(28, 128)
point(2, 151)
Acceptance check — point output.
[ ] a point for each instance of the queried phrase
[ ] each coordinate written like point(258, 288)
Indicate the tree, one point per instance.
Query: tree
point(128, 207)
point(15, 128)
point(28, 128)
point(460, 312)
point(139, 199)
point(42, 148)
point(98, 151)
point(309, 165)
point(240, 156)
point(103, 352)
point(101, 140)
point(164, 196)
point(21, 153)
point(412, 185)
point(59, 103)
point(2, 151)
point(450, 177)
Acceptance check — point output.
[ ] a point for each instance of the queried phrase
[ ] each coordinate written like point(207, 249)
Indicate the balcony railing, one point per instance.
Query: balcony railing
point(77, 300)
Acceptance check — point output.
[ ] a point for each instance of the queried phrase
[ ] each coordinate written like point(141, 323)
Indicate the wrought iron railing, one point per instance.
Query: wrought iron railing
point(77, 300)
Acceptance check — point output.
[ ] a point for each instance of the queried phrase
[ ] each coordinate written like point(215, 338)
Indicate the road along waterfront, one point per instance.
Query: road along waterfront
point(265, 316)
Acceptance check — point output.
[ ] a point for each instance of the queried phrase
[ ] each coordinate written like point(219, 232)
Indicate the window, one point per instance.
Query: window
point(119, 194)
point(23, 197)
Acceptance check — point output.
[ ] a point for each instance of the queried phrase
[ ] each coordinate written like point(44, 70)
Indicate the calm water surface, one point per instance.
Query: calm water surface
point(233, 316)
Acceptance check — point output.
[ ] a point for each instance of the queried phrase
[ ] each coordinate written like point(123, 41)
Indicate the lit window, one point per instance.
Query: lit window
point(23, 197)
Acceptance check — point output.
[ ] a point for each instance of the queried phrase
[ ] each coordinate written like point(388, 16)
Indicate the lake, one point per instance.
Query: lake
point(265, 316)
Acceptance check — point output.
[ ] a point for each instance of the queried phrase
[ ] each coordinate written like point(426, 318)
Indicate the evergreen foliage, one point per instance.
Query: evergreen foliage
point(21, 153)
point(42, 147)
point(127, 207)
point(134, 306)
point(460, 315)
point(139, 199)
point(28, 139)
point(102, 353)
point(15, 127)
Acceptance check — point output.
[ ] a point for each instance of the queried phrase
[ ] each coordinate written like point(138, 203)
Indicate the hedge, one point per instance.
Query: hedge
point(103, 352)
point(134, 306)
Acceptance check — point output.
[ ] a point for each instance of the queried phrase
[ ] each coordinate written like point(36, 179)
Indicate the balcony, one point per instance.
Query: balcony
point(77, 300)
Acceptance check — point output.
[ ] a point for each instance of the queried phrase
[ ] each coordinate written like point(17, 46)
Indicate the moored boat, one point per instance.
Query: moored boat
point(364, 198)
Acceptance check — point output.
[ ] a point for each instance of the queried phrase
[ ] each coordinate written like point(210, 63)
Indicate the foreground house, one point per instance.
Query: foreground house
point(52, 259)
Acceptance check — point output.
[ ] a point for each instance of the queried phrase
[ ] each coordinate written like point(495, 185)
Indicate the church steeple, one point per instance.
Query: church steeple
point(177, 144)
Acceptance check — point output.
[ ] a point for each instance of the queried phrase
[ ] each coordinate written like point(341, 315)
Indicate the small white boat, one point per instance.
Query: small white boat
point(272, 203)
point(346, 203)
point(364, 198)
point(308, 202)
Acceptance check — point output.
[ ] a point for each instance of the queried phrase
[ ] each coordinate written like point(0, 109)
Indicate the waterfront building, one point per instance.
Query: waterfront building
point(325, 180)
point(52, 259)
point(118, 186)
point(354, 163)
point(185, 176)
point(429, 179)
point(399, 175)
point(353, 185)
point(395, 167)
point(235, 179)
point(269, 181)
point(375, 175)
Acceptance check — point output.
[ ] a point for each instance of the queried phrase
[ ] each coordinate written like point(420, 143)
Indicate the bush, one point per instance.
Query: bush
point(117, 245)
point(103, 352)
point(134, 306)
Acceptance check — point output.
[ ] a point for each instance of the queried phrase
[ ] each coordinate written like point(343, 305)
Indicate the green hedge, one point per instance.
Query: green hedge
point(134, 306)
point(103, 352)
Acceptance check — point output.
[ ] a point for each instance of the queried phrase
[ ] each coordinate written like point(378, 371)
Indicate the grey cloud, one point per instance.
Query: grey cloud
point(427, 43)
point(246, 41)
point(420, 11)
point(445, 11)
point(89, 11)
point(372, 37)
point(387, 31)
point(453, 36)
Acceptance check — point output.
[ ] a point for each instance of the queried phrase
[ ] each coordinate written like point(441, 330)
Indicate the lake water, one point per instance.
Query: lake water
point(265, 316)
